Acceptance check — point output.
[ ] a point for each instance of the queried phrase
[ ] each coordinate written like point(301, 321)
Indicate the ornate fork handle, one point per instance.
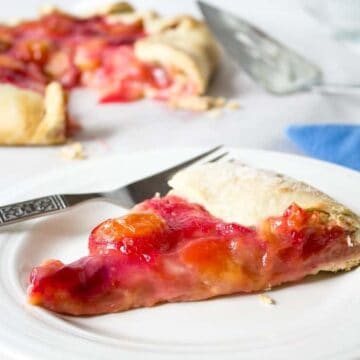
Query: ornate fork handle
point(125, 196)
point(44, 205)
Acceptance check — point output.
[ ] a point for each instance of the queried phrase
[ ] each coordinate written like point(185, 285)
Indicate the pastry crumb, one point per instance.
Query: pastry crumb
point(232, 105)
point(266, 299)
point(219, 102)
point(202, 103)
point(74, 151)
point(193, 103)
point(214, 114)
point(349, 241)
point(197, 103)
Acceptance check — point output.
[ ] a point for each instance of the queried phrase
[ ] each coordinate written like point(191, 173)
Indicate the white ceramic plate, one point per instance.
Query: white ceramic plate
point(315, 319)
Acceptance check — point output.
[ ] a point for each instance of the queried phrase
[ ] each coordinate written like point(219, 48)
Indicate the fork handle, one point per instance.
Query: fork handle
point(42, 206)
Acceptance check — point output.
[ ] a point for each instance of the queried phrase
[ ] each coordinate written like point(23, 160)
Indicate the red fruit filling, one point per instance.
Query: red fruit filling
point(80, 52)
point(168, 249)
point(87, 52)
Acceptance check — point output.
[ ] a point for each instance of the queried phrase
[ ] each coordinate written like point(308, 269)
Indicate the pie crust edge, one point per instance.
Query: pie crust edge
point(29, 118)
point(253, 195)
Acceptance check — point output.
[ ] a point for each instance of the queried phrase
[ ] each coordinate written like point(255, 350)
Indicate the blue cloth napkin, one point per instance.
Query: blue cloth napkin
point(336, 143)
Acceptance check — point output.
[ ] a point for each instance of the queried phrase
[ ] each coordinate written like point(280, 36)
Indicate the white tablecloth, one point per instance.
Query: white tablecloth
point(260, 123)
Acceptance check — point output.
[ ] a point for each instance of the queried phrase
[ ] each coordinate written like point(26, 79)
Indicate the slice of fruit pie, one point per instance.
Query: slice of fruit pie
point(124, 54)
point(223, 229)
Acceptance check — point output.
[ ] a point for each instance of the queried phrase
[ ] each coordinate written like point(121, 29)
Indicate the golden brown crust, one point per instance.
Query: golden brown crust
point(184, 44)
point(181, 43)
point(245, 195)
point(52, 127)
point(116, 8)
point(28, 118)
point(344, 265)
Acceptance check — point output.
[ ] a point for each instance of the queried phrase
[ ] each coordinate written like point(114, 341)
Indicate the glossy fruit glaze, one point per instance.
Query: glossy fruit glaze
point(80, 52)
point(167, 249)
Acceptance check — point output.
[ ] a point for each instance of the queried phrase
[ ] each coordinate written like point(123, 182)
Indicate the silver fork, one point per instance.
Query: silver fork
point(126, 196)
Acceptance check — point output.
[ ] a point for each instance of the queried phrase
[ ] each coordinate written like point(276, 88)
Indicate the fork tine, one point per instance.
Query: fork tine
point(218, 157)
point(195, 159)
point(186, 163)
point(164, 175)
point(158, 183)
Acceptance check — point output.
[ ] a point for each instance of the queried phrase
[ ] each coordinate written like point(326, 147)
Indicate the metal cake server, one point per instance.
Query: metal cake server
point(277, 68)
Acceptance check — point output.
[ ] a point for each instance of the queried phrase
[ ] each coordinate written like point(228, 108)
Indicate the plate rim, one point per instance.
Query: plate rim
point(68, 170)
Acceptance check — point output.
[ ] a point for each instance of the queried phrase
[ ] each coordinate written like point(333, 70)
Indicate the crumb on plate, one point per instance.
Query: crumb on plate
point(232, 105)
point(214, 113)
point(219, 102)
point(74, 151)
point(266, 299)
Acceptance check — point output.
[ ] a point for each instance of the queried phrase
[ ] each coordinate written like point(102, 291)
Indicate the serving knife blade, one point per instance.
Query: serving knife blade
point(277, 68)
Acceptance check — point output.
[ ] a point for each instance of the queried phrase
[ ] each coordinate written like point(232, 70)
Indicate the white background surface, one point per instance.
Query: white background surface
point(146, 125)
point(110, 129)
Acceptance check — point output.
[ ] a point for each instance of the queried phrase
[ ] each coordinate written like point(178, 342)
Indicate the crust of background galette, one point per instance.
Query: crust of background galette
point(180, 42)
point(30, 118)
